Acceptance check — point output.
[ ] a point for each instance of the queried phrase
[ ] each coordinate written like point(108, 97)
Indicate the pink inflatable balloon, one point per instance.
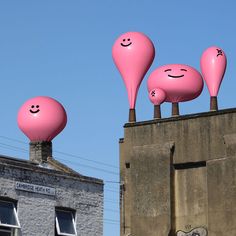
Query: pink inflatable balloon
point(179, 82)
point(213, 65)
point(41, 118)
point(157, 96)
point(133, 54)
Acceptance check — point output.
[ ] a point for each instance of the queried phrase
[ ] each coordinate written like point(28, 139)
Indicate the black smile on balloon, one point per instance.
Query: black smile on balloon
point(175, 76)
point(34, 111)
point(124, 44)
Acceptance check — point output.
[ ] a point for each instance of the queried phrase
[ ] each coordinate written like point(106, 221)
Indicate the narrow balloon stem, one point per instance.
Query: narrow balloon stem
point(175, 109)
point(157, 111)
point(132, 115)
point(214, 104)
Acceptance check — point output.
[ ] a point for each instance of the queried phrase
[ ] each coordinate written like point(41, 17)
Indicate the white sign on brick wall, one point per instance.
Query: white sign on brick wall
point(35, 188)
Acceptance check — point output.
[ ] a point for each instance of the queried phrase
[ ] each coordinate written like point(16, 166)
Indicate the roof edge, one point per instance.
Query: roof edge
point(61, 169)
point(181, 117)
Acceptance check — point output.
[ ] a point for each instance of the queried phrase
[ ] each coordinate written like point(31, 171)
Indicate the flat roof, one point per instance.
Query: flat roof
point(181, 117)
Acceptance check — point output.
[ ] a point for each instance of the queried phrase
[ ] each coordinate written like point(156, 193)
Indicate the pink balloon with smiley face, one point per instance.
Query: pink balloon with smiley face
point(41, 118)
point(213, 65)
point(133, 54)
point(179, 82)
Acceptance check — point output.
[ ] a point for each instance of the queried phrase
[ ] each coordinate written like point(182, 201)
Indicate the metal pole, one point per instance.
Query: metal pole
point(132, 115)
point(214, 104)
point(157, 111)
point(175, 109)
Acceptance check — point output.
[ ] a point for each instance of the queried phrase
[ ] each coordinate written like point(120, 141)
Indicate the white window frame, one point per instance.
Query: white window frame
point(9, 230)
point(15, 214)
point(58, 227)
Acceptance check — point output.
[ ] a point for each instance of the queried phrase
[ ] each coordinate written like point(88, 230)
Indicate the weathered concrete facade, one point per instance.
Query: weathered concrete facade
point(179, 176)
point(36, 212)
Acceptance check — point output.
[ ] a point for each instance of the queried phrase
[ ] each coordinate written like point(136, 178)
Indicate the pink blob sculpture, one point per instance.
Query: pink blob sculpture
point(41, 118)
point(179, 82)
point(213, 65)
point(133, 54)
point(157, 97)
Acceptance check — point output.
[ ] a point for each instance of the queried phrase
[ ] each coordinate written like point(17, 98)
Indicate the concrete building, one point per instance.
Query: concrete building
point(43, 197)
point(178, 176)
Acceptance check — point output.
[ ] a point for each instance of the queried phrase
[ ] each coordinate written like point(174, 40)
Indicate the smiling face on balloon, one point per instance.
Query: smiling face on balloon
point(179, 82)
point(126, 42)
point(34, 109)
point(177, 71)
point(135, 41)
point(41, 118)
point(133, 54)
point(41, 108)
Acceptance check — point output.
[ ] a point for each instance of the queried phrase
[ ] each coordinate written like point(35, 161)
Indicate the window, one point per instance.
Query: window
point(65, 223)
point(5, 231)
point(8, 215)
point(8, 218)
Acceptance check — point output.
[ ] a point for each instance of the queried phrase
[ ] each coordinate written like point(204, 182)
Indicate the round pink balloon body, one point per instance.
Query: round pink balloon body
point(213, 65)
point(179, 82)
point(133, 54)
point(41, 118)
point(157, 96)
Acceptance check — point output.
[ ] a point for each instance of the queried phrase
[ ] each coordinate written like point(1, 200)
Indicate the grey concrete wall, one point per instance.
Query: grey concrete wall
point(197, 137)
point(221, 181)
point(190, 198)
point(37, 212)
point(151, 192)
point(201, 185)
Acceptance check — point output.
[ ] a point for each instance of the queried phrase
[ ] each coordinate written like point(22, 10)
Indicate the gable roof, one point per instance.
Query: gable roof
point(52, 167)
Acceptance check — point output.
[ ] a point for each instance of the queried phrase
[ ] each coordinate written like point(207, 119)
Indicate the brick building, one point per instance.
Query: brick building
point(43, 197)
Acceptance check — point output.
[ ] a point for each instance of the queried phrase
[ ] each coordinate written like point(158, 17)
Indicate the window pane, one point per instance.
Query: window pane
point(4, 231)
point(7, 213)
point(65, 221)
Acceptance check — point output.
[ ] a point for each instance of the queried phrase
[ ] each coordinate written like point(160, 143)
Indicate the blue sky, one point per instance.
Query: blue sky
point(62, 49)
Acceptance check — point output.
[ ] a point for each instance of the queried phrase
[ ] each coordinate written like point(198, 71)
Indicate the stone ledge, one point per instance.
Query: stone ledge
point(181, 117)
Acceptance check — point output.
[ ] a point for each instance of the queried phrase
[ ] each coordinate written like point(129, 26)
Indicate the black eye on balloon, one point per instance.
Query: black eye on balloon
point(167, 70)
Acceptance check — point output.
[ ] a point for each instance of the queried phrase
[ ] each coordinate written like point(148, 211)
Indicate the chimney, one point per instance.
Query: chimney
point(40, 151)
